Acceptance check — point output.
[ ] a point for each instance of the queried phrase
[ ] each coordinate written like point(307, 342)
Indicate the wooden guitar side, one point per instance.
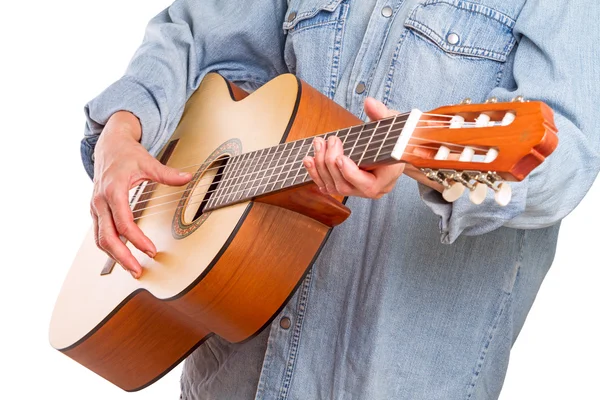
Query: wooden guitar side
point(262, 263)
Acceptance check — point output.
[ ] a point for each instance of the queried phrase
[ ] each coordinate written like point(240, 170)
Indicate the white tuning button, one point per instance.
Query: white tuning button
point(442, 153)
point(453, 193)
point(504, 194)
point(508, 119)
point(457, 122)
point(482, 121)
point(478, 193)
point(491, 155)
point(467, 154)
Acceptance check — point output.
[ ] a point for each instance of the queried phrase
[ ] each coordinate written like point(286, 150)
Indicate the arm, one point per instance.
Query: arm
point(181, 45)
point(556, 62)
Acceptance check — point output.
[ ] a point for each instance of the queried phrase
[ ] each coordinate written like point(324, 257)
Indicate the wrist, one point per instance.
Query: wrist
point(124, 124)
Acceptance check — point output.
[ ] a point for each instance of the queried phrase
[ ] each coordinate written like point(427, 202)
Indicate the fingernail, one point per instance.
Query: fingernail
point(317, 145)
point(307, 163)
point(149, 254)
point(339, 162)
point(133, 274)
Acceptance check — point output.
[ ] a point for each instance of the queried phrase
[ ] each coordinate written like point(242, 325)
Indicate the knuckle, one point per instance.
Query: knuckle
point(96, 199)
point(122, 227)
point(346, 191)
point(103, 242)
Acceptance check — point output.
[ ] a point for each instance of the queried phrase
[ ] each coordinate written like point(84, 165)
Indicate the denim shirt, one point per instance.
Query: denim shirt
point(409, 284)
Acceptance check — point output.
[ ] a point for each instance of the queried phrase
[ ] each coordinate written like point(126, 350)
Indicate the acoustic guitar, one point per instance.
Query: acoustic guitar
point(236, 242)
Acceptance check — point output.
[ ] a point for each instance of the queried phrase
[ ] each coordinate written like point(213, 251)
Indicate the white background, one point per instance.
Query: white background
point(56, 55)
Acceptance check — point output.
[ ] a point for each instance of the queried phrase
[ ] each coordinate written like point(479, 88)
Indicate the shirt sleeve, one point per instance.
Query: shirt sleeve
point(556, 61)
point(181, 45)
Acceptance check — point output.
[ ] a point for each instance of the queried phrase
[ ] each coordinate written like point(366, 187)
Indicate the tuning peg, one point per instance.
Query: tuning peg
point(518, 99)
point(453, 192)
point(491, 100)
point(503, 194)
point(478, 194)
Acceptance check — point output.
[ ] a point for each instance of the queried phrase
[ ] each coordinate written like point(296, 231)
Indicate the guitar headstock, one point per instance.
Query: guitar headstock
point(480, 146)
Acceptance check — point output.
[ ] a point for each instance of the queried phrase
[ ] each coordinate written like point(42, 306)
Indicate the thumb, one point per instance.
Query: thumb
point(377, 110)
point(169, 176)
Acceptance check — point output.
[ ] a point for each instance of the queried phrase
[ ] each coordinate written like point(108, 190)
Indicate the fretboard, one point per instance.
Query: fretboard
point(269, 170)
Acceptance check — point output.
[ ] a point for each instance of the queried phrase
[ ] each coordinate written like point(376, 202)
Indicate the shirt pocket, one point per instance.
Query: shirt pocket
point(313, 46)
point(456, 49)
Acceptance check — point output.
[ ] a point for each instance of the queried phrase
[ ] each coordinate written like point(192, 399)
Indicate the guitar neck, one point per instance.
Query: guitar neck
point(269, 170)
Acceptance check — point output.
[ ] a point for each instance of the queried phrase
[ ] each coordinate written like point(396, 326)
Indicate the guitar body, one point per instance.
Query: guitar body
point(227, 271)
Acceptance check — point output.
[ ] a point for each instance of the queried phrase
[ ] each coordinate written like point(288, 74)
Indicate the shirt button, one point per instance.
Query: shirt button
point(453, 38)
point(291, 16)
point(360, 88)
point(387, 11)
point(285, 323)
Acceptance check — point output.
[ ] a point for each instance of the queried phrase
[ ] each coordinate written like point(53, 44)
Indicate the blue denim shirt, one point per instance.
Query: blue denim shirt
point(412, 297)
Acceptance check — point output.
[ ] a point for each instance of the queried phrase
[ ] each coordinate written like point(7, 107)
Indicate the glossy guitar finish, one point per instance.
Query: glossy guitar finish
point(133, 332)
point(227, 264)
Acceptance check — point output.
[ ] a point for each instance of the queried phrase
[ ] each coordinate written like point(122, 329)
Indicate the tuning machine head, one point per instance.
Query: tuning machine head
point(502, 190)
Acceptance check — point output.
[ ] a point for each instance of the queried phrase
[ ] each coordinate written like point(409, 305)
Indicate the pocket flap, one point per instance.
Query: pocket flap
point(301, 10)
point(464, 28)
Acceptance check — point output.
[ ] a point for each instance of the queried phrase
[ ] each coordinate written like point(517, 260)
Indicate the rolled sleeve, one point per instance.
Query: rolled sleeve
point(559, 67)
point(181, 45)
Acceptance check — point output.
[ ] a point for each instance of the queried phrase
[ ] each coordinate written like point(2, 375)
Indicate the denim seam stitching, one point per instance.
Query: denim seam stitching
point(295, 340)
point(503, 308)
point(311, 13)
point(371, 77)
point(334, 22)
point(457, 50)
point(392, 70)
point(476, 8)
point(337, 49)
point(483, 353)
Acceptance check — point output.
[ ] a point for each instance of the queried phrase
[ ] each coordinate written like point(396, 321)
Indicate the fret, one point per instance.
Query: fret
point(251, 166)
point(295, 149)
point(355, 132)
point(345, 136)
point(258, 182)
point(224, 184)
point(368, 142)
point(384, 139)
point(236, 175)
point(278, 167)
point(243, 178)
point(302, 180)
point(273, 179)
point(361, 140)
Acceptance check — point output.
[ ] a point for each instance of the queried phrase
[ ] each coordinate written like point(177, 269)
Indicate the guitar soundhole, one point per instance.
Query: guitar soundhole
point(190, 214)
point(203, 190)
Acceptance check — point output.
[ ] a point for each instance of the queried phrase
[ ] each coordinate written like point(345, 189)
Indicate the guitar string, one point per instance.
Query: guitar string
point(263, 176)
point(466, 124)
point(227, 195)
point(257, 178)
point(205, 200)
point(252, 162)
